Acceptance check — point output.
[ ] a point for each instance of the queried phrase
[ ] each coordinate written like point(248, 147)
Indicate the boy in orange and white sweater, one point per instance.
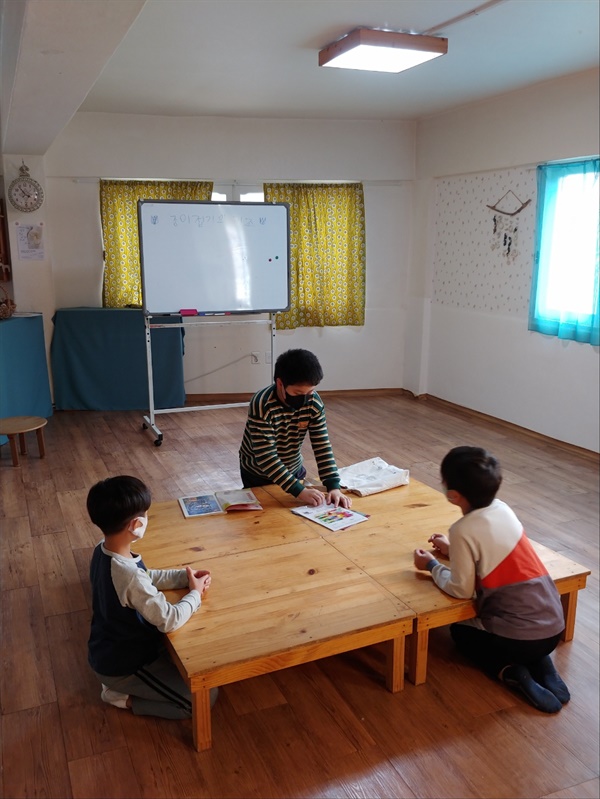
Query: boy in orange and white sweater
point(519, 614)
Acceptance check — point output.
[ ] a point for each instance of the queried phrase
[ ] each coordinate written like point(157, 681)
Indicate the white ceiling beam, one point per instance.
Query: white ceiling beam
point(52, 52)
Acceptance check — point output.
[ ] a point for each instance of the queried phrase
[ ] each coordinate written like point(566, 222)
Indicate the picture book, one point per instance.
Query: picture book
point(331, 517)
point(219, 502)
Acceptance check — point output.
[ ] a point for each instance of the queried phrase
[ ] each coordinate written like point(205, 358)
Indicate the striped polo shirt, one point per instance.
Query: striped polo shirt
point(273, 438)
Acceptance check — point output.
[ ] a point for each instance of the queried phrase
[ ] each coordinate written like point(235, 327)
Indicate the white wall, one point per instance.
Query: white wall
point(550, 120)
point(249, 151)
point(489, 363)
point(483, 357)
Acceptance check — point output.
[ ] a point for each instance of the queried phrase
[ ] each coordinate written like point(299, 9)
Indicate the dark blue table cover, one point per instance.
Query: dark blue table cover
point(98, 358)
point(24, 385)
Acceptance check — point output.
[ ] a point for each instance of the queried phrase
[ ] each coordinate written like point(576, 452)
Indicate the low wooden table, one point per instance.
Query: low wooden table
point(283, 596)
point(13, 426)
point(286, 591)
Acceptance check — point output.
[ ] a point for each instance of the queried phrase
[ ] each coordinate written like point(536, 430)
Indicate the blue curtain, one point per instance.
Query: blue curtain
point(564, 323)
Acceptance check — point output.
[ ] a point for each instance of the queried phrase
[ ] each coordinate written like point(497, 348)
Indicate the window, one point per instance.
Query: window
point(252, 197)
point(564, 294)
point(233, 192)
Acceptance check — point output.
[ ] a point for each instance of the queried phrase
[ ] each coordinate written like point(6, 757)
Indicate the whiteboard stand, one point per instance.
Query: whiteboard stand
point(149, 421)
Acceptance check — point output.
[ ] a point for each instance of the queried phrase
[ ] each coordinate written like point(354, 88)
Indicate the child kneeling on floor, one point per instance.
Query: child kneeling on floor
point(130, 613)
point(519, 613)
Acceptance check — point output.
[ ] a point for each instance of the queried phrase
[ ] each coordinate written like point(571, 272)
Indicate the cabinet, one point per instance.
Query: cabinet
point(98, 359)
point(24, 383)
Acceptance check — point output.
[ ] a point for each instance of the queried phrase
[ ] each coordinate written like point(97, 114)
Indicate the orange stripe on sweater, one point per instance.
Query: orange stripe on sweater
point(520, 565)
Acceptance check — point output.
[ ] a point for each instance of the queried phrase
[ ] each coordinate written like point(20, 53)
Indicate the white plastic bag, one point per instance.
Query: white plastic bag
point(372, 476)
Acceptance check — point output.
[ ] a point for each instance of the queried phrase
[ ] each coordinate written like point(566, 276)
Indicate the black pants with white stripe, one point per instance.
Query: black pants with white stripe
point(157, 689)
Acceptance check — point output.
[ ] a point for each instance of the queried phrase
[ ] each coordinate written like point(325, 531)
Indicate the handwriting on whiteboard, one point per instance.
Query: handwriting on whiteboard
point(199, 220)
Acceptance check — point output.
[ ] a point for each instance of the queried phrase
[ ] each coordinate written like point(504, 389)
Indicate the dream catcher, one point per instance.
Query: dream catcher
point(505, 232)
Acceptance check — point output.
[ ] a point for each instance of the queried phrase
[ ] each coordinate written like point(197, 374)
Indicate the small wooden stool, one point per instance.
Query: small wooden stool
point(13, 426)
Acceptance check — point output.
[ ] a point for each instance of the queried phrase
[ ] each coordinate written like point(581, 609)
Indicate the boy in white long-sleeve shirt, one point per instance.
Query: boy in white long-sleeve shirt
point(130, 613)
point(519, 614)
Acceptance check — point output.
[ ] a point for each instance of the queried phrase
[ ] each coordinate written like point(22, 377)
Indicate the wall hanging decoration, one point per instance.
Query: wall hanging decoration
point(505, 228)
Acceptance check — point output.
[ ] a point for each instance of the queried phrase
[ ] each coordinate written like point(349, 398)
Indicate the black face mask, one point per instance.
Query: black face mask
point(296, 402)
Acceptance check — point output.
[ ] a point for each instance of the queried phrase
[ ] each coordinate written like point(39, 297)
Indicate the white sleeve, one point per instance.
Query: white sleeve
point(164, 579)
point(458, 580)
point(135, 589)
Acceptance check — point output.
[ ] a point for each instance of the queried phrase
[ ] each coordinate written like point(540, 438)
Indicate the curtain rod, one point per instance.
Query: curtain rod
point(229, 182)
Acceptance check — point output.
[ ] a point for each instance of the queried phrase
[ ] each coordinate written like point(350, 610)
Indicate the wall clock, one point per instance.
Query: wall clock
point(25, 193)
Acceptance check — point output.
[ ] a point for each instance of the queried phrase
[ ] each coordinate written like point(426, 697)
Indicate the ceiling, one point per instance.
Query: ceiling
point(258, 58)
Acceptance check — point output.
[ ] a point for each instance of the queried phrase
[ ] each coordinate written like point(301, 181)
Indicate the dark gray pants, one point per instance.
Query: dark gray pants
point(157, 689)
point(493, 652)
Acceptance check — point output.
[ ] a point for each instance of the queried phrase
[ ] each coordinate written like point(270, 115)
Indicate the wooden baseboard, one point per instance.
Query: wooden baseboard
point(463, 412)
point(367, 392)
point(215, 399)
point(459, 410)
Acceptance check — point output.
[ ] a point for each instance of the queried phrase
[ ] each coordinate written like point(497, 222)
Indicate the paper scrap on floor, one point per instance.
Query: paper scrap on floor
point(372, 476)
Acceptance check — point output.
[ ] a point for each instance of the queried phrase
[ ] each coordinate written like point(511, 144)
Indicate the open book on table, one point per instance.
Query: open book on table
point(329, 516)
point(372, 476)
point(219, 502)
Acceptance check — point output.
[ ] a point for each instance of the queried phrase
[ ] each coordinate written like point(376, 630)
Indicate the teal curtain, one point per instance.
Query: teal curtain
point(564, 292)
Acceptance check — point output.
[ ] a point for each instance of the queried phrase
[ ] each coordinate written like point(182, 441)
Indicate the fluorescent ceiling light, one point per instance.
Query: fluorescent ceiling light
point(381, 50)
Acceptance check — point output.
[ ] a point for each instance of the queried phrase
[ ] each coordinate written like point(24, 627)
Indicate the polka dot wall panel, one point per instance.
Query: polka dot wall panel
point(483, 255)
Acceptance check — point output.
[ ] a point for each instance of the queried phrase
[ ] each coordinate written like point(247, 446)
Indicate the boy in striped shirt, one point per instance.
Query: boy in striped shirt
point(279, 417)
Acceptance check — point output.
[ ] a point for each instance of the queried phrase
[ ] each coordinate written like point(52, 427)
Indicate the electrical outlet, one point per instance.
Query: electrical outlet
point(255, 357)
point(267, 357)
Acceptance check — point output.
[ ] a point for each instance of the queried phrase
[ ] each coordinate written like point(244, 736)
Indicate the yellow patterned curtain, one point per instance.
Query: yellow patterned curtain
point(327, 253)
point(118, 210)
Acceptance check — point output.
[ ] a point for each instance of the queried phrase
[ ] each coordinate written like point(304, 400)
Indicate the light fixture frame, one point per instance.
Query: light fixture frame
point(378, 37)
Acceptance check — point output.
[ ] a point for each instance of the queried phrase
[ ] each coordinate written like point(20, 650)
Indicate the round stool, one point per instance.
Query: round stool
point(13, 426)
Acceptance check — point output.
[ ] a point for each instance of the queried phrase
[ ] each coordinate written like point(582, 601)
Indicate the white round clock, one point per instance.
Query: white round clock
point(25, 193)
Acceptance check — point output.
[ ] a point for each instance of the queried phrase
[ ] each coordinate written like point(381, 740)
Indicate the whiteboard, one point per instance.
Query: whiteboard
point(214, 257)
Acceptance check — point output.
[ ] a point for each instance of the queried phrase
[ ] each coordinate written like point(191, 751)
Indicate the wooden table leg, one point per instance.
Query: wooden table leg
point(40, 439)
point(394, 675)
point(201, 719)
point(418, 643)
point(12, 440)
point(23, 443)
point(569, 603)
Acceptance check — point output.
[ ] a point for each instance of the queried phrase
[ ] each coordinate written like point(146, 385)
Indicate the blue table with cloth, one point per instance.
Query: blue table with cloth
point(24, 384)
point(98, 358)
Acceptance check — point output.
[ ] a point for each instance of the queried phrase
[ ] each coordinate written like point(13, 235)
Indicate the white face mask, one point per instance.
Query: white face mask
point(139, 531)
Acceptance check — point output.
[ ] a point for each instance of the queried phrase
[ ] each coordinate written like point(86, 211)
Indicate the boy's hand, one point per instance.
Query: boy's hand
point(421, 558)
point(336, 498)
point(199, 579)
point(312, 496)
point(440, 543)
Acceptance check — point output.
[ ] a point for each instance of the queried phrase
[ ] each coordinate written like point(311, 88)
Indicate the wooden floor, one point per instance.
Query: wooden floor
point(327, 729)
